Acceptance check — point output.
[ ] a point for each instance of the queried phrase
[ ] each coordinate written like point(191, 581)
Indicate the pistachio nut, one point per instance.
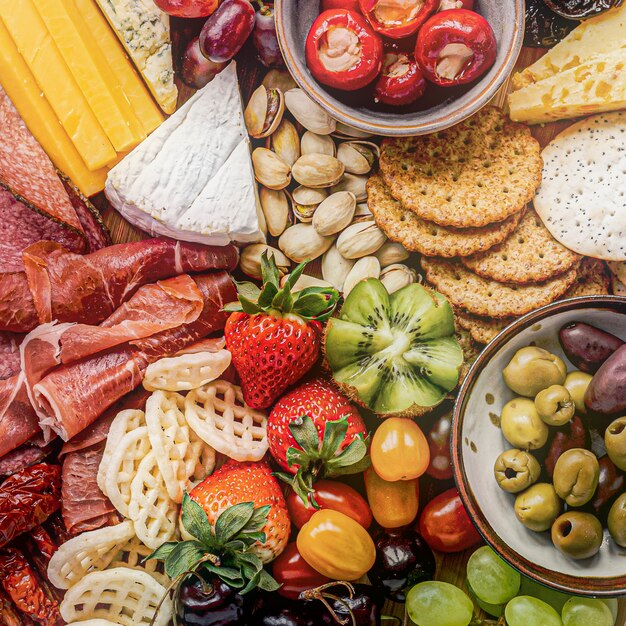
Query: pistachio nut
point(305, 200)
point(360, 239)
point(334, 213)
point(335, 268)
point(286, 143)
point(362, 211)
point(396, 276)
point(317, 144)
point(264, 111)
point(354, 183)
point(270, 170)
point(305, 281)
point(390, 253)
point(367, 267)
point(358, 157)
point(280, 79)
point(302, 242)
point(344, 131)
point(276, 210)
point(250, 260)
point(318, 170)
point(308, 113)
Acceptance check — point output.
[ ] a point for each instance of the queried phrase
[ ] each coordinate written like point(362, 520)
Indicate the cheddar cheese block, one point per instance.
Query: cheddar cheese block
point(598, 85)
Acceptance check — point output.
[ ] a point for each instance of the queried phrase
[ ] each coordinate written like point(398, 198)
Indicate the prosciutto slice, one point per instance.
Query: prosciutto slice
point(73, 396)
point(64, 286)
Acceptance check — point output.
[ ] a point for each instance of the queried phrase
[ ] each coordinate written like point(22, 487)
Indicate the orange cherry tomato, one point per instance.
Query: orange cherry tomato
point(336, 546)
point(393, 504)
point(399, 450)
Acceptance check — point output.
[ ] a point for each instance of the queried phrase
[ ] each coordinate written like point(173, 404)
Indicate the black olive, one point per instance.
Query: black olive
point(579, 9)
point(544, 27)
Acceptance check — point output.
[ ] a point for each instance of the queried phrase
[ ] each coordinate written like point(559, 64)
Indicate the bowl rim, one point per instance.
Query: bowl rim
point(312, 89)
point(580, 585)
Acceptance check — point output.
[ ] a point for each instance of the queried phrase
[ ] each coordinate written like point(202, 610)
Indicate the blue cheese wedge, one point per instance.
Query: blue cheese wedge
point(192, 179)
point(144, 30)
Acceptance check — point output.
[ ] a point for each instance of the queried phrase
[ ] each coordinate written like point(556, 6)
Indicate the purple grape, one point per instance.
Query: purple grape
point(196, 70)
point(264, 37)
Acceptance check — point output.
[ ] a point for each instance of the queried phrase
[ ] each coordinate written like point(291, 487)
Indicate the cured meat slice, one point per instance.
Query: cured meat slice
point(69, 287)
point(22, 457)
point(73, 396)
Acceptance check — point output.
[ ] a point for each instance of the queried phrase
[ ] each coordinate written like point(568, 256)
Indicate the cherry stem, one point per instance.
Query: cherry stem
point(318, 593)
point(386, 618)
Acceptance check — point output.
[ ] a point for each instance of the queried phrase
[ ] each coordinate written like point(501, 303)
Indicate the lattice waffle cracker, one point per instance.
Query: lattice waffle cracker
point(95, 622)
point(151, 508)
point(180, 454)
point(186, 371)
point(122, 595)
point(132, 555)
point(218, 415)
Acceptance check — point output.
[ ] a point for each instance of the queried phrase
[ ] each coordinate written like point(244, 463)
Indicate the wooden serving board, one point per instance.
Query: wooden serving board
point(451, 567)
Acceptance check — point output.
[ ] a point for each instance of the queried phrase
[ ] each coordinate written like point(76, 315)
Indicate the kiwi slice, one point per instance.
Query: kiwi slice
point(395, 354)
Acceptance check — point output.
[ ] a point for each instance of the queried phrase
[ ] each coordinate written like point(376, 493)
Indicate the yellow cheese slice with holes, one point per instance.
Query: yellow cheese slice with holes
point(137, 93)
point(93, 75)
point(597, 86)
point(19, 83)
point(55, 80)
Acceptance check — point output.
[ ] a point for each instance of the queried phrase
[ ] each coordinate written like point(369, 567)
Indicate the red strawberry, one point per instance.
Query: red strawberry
point(315, 432)
point(274, 335)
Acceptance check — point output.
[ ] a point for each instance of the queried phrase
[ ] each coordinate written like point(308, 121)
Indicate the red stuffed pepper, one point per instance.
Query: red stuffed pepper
point(349, 5)
point(342, 51)
point(455, 47)
point(398, 18)
point(401, 81)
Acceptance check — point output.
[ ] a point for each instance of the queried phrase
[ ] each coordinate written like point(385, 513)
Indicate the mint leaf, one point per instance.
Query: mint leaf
point(233, 520)
point(184, 557)
point(162, 552)
point(196, 522)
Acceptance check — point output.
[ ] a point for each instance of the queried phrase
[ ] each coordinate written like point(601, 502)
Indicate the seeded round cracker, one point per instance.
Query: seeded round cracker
point(583, 194)
point(489, 298)
point(529, 255)
point(478, 172)
point(418, 235)
point(481, 329)
point(593, 279)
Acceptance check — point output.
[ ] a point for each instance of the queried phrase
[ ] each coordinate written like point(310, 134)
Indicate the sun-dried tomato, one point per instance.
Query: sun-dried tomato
point(44, 542)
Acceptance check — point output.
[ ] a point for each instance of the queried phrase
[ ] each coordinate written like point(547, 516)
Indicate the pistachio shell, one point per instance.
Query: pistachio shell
point(276, 210)
point(367, 267)
point(302, 242)
point(305, 281)
point(390, 253)
point(334, 213)
point(358, 157)
point(362, 211)
point(317, 144)
point(250, 260)
point(264, 111)
point(343, 130)
point(318, 170)
point(305, 200)
point(335, 268)
point(360, 239)
point(286, 142)
point(354, 183)
point(397, 276)
point(308, 113)
point(270, 170)
point(280, 79)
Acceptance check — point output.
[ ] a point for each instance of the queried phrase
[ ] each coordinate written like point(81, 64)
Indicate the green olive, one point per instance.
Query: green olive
point(576, 383)
point(576, 476)
point(577, 535)
point(615, 442)
point(521, 425)
point(555, 405)
point(533, 369)
point(538, 507)
point(617, 521)
point(515, 470)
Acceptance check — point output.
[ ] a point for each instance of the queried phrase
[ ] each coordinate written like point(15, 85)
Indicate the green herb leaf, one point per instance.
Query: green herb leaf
point(184, 558)
point(196, 522)
point(162, 552)
point(233, 520)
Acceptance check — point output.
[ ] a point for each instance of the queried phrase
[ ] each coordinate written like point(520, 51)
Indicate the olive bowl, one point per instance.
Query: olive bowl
point(293, 22)
point(477, 441)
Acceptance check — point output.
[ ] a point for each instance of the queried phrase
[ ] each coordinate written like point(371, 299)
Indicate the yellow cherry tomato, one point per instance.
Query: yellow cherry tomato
point(336, 546)
point(399, 450)
point(393, 504)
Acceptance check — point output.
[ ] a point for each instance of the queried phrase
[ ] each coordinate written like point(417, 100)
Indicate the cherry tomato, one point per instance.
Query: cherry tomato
point(330, 494)
point(400, 82)
point(445, 525)
point(440, 466)
point(397, 18)
point(348, 5)
point(188, 8)
point(294, 573)
point(394, 504)
point(399, 450)
point(336, 546)
point(342, 50)
point(455, 47)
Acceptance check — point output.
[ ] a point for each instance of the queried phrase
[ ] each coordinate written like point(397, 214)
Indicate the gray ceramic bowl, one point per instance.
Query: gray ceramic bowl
point(294, 19)
point(477, 441)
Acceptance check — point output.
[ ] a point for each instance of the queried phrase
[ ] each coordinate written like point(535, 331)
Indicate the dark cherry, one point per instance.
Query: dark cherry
point(366, 605)
point(273, 609)
point(572, 435)
point(403, 559)
point(211, 602)
point(611, 483)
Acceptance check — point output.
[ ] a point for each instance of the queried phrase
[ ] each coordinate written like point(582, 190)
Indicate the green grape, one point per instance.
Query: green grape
point(495, 610)
point(492, 580)
point(613, 606)
point(433, 603)
point(586, 612)
point(556, 599)
point(527, 611)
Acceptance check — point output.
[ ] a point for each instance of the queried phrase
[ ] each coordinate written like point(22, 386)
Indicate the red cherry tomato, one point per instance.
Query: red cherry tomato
point(342, 51)
point(188, 8)
point(455, 47)
point(330, 494)
point(349, 5)
point(401, 81)
point(445, 525)
point(295, 574)
point(446, 5)
point(440, 466)
point(397, 18)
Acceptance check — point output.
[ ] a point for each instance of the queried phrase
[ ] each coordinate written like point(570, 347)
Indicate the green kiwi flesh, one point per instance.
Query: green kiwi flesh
point(396, 354)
